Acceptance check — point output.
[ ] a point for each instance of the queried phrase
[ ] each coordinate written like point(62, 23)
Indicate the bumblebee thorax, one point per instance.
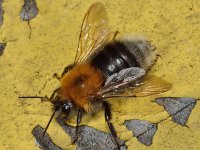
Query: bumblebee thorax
point(80, 83)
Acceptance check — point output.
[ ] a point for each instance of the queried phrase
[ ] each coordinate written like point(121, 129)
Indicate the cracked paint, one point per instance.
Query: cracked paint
point(179, 108)
point(2, 47)
point(1, 13)
point(90, 138)
point(29, 10)
point(45, 142)
point(28, 64)
point(142, 130)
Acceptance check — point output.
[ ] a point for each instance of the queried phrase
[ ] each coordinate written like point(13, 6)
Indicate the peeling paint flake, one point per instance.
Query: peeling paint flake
point(2, 47)
point(1, 13)
point(29, 10)
point(179, 108)
point(45, 143)
point(142, 130)
point(90, 138)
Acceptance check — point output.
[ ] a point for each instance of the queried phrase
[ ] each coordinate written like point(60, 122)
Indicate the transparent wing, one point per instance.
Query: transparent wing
point(94, 32)
point(145, 86)
point(121, 80)
point(149, 85)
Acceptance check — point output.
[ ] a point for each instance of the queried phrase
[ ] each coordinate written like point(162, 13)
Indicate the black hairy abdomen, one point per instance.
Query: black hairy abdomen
point(113, 58)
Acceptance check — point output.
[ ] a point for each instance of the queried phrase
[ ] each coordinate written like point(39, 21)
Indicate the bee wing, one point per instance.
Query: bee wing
point(94, 32)
point(144, 86)
point(121, 80)
point(149, 85)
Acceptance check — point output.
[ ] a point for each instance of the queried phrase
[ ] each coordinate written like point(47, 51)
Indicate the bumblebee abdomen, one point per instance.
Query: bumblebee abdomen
point(124, 53)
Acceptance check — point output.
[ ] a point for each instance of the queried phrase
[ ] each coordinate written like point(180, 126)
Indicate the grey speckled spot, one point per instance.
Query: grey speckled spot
point(29, 10)
point(142, 130)
point(1, 13)
point(45, 143)
point(179, 108)
point(91, 139)
point(2, 47)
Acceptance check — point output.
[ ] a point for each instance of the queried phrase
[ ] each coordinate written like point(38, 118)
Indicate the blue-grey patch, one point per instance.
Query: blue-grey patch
point(29, 10)
point(91, 138)
point(2, 47)
point(1, 12)
point(179, 108)
point(142, 130)
point(44, 143)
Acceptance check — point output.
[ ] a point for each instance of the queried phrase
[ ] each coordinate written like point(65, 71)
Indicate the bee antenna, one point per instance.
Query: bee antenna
point(43, 98)
point(31, 96)
point(45, 130)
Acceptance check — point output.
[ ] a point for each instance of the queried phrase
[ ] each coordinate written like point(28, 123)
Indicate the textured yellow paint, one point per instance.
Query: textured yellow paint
point(27, 67)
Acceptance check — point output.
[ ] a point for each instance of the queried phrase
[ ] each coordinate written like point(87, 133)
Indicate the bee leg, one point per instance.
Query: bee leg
point(66, 69)
point(55, 75)
point(78, 121)
point(52, 97)
point(115, 34)
point(108, 117)
point(69, 67)
point(56, 91)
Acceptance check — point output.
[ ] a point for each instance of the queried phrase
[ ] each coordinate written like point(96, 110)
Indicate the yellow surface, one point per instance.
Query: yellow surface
point(27, 66)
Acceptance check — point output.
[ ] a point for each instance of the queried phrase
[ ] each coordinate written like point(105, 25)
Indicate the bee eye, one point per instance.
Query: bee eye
point(66, 107)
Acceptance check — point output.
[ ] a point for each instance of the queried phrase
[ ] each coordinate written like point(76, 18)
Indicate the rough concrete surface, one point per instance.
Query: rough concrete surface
point(28, 63)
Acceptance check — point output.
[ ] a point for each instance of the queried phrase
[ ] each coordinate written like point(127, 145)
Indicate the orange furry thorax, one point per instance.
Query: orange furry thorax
point(80, 83)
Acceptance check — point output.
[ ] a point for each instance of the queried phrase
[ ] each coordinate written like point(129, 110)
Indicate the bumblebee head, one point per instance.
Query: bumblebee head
point(61, 107)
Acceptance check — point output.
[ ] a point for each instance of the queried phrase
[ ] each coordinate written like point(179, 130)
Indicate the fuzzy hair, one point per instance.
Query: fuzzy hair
point(80, 83)
point(142, 50)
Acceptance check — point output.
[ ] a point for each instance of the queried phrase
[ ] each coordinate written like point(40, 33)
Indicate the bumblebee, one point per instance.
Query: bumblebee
point(104, 68)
